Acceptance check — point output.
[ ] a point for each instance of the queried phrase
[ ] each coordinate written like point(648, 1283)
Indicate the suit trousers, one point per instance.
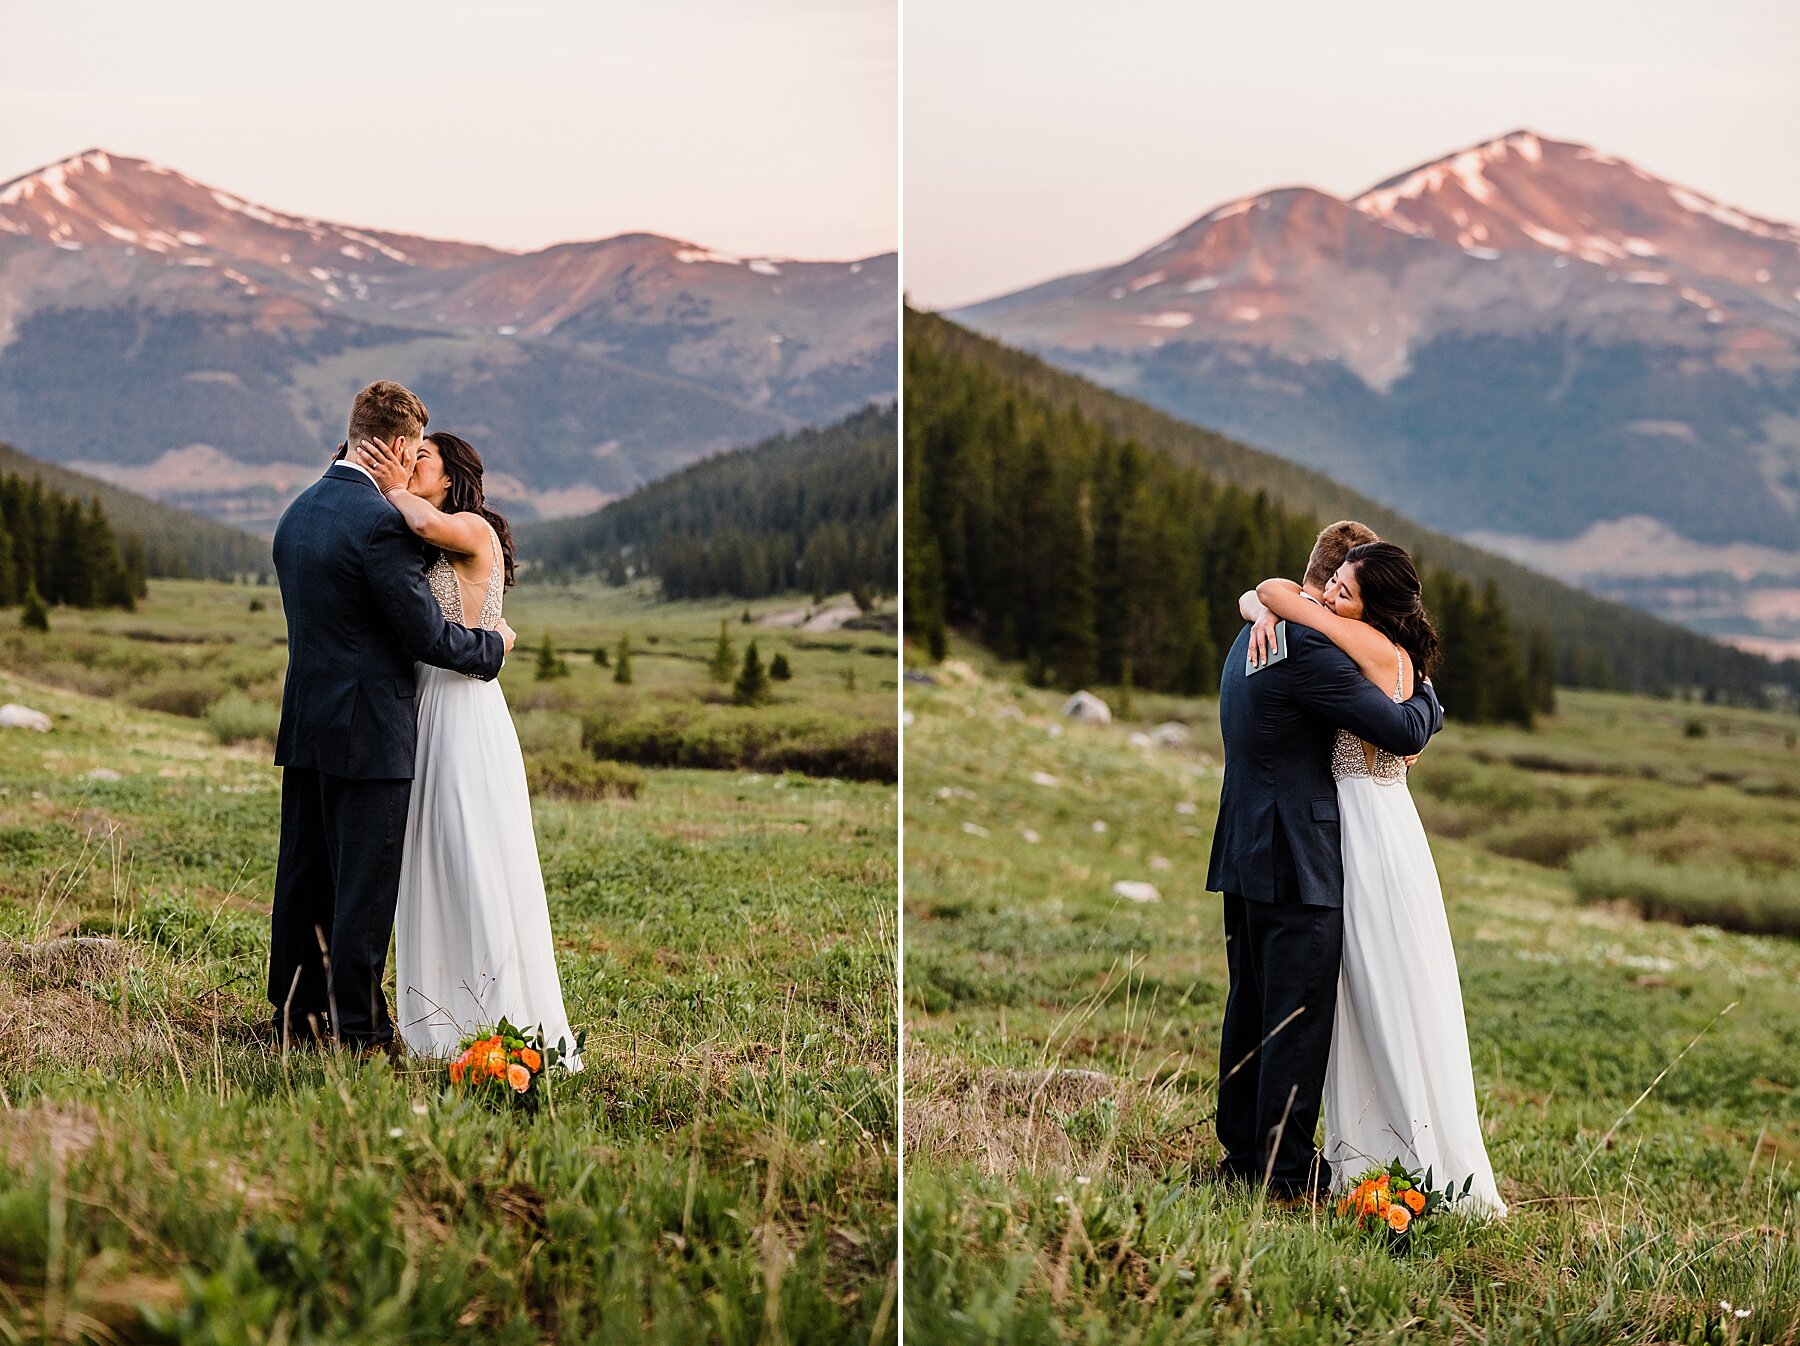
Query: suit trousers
point(1283, 961)
point(336, 885)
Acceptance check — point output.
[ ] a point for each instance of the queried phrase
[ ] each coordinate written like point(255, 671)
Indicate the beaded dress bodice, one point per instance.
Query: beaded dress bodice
point(1351, 757)
point(448, 589)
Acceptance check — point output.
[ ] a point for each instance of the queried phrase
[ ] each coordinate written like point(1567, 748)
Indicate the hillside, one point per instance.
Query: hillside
point(1598, 643)
point(1528, 343)
point(170, 1178)
point(815, 510)
point(177, 544)
point(202, 349)
point(1062, 1041)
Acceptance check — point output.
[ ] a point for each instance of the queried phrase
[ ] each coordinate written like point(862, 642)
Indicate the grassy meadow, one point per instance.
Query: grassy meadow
point(723, 1170)
point(1639, 1079)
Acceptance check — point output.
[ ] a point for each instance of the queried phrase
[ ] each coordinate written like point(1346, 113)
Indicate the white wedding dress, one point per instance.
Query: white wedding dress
point(472, 930)
point(1399, 1084)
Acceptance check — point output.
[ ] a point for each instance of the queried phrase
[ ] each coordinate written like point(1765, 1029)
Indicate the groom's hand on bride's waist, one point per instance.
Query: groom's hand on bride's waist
point(507, 634)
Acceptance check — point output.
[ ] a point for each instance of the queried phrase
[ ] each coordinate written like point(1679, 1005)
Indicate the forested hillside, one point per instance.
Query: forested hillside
point(1093, 558)
point(176, 544)
point(55, 549)
point(998, 444)
point(812, 511)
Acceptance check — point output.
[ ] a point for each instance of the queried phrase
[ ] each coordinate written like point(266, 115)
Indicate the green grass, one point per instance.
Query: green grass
point(196, 648)
point(1061, 1043)
point(723, 1171)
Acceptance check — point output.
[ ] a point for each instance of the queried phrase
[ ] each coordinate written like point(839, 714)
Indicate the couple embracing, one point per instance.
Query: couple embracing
point(1343, 989)
point(404, 808)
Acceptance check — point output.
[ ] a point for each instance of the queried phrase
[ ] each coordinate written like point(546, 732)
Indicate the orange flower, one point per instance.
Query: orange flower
point(1398, 1218)
point(495, 1061)
point(1415, 1199)
point(456, 1071)
point(1382, 1181)
point(531, 1059)
point(519, 1078)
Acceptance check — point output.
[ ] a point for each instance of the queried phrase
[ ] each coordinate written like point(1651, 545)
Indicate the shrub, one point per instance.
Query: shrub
point(718, 668)
point(235, 718)
point(720, 738)
point(778, 667)
point(542, 731)
point(186, 692)
point(1689, 891)
point(550, 664)
point(1543, 840)
point(577, 775)
point(35, 616)
point(622, 664)
point(752, 686)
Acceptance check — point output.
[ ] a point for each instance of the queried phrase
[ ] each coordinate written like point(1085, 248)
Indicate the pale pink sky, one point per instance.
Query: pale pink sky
point(753, 126)
point(1048, 136)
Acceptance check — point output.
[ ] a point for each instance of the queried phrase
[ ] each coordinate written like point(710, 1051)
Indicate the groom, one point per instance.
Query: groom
point(1276, 859)
point(359, 613)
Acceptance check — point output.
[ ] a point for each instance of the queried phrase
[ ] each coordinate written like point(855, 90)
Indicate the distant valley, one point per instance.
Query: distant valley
point(202, 349)
point(1529, 343)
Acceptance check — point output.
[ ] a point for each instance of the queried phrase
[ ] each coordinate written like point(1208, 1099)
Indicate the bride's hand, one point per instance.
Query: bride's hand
point(1262, 639)
point(389, 466)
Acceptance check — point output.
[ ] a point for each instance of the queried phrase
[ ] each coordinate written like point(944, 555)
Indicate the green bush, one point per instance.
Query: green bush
point(1542, 839)
point(1697, 892)
point(542, 731)
point(186, 692)
point(235, 718)
point(772, 740)
point(577, 775)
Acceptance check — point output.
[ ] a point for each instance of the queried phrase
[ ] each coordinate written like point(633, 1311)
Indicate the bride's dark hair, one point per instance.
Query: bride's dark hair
point(462, 467)
point(1393, 601)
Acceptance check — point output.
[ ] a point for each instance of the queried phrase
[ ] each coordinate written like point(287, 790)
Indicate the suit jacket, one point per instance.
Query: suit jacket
point(359, 613)
point(1278, 832)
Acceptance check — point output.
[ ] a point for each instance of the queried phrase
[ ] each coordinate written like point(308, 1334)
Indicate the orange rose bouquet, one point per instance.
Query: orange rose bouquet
point(1395, 1202)
point(502, 1065)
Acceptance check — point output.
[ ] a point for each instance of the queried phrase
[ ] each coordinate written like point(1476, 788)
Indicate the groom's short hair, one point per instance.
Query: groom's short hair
point(1334, 544)
point(387, 410)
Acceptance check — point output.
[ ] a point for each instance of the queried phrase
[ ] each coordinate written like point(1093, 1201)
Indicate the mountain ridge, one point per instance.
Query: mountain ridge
point(1526, 339)
point(1599, 642)
point(197, 330)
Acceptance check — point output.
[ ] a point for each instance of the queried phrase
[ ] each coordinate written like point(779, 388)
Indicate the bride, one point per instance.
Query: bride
point(472, 933)
point(1399, 1084)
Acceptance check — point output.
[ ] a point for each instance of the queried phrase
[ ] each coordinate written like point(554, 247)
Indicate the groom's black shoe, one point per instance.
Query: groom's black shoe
point(1224, 1174)
point(277, 1037)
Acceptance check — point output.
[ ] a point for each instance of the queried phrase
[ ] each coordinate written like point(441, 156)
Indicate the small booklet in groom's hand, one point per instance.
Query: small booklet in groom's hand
point(1276, 655)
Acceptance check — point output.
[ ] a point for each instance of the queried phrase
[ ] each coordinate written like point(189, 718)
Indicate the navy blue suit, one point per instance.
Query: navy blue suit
point(1277, 858)
point(359, 613)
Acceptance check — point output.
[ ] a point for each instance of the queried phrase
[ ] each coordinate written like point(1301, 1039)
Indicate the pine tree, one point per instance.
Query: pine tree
point(778, 667)
point(1540, 672)
point(549, 663)
point(724, 658)
point(35, 617)
point(601, 657)
point(752, 686)
point(622, 663)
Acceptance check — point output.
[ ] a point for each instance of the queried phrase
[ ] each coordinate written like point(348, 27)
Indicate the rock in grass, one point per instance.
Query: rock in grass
point(15, 716)
point(1170, 734)
point(1086, 708)
point(104, 773)
point(1135, 890)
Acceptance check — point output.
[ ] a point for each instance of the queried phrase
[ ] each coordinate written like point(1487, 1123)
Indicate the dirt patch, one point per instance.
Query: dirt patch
point(63, 1131)
point(831, 617)
point(1006, 1120)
